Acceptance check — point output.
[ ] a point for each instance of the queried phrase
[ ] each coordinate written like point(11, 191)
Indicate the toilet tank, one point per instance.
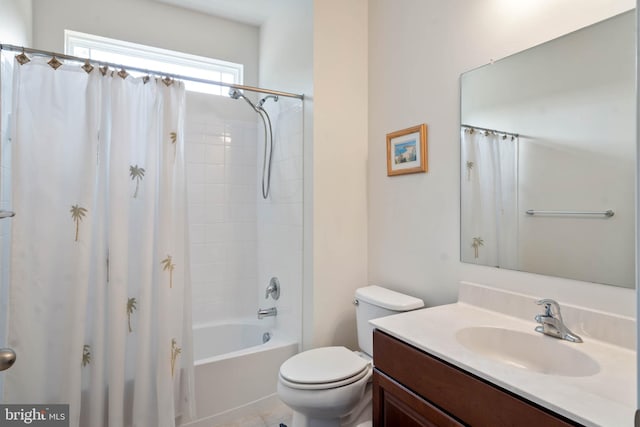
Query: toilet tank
point(373, 302)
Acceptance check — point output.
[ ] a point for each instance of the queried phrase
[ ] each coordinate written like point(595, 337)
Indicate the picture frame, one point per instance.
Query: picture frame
point(407, 151)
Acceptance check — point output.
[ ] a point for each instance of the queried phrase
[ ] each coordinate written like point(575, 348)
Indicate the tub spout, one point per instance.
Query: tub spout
point(266, 312)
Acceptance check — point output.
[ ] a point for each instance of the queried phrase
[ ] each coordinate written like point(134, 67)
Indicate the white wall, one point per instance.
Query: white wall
point(417, 51)
point(326, 41)
point(16, 23)
point(286, 58)
point(339, 166)
point(286, 47)
point(150, 23)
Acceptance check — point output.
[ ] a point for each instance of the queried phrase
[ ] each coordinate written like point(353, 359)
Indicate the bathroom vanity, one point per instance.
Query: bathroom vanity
point(412, 388)
point(480, 362)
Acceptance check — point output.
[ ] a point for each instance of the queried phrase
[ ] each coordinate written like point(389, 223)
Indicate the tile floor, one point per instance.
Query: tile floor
point(279, 415)
point(272, 417)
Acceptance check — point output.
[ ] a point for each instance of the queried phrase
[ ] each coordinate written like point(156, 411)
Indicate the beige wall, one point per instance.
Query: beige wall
point(417, 50)
point(339, 167)
point(16, 23)
point(150, 23)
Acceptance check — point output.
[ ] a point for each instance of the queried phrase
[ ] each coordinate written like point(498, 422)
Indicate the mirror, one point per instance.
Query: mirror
point(548, 157)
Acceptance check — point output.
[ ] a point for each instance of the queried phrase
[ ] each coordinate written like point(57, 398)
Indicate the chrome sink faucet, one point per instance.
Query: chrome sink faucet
point(551, 322)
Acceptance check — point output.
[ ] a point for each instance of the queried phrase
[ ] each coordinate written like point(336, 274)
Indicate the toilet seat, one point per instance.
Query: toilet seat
point(323, 368)
point(326, 386)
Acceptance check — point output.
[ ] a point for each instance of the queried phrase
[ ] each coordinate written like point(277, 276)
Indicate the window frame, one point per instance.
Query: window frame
point(229, 72)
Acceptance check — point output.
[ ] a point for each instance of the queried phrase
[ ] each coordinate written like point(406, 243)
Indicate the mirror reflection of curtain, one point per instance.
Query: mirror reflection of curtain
point(99, 310)
point(489, 214)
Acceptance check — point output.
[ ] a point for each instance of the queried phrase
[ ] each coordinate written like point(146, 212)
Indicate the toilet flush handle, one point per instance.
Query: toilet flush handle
point(355, 301)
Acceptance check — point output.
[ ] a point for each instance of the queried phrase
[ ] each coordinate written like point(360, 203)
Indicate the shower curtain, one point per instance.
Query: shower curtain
point(99, 309)
point(489, 214)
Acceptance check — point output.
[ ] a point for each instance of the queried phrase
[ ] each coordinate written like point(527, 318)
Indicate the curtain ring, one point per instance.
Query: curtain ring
point(87, 67)
point(54, 63)
point(22, 58)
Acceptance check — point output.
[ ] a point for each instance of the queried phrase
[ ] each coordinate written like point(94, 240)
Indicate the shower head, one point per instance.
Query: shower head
point(236, 94)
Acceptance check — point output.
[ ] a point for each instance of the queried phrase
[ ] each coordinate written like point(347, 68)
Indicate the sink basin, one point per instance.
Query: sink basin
point(531, 351)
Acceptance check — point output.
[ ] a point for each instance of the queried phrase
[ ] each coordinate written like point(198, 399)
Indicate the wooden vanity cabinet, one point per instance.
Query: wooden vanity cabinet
point(412, 389)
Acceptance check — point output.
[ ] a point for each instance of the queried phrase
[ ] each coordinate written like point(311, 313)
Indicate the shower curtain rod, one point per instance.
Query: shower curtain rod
point(515, 135)
point(142, 70)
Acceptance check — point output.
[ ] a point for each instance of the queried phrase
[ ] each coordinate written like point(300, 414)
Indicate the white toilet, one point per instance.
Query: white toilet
point(328, 386)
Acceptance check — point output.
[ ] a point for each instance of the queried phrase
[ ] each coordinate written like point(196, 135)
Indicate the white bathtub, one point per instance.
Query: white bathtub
point(233, 368)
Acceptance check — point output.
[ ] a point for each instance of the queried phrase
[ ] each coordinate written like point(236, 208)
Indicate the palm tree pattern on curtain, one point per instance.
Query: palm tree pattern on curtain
point(477, 242)
point(168, 265)
point(111, 142)
point(175, 352)
point(86, 355)
point(136, 173)
point(470, 165)
point(131, 307)
point(489, 224)
point(174, 139)
point(77, 213)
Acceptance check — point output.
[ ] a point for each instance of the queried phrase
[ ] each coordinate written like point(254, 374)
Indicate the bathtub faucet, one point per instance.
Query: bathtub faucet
point(273, 289)
point(266, 312)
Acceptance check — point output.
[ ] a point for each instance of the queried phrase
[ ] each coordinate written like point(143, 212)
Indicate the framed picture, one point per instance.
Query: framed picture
point(407, 151)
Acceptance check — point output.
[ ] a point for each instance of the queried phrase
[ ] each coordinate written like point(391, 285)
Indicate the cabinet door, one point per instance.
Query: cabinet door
point(396, 406)
point(473, 401)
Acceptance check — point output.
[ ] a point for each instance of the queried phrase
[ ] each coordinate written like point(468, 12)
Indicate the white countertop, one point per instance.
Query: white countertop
point(605, 399)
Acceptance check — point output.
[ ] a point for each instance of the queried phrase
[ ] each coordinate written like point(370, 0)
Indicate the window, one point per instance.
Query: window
point(155, 59)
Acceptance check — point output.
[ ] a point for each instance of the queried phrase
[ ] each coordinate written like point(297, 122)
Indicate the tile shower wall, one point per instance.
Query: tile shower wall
point(221, 181)
point(5, 226)
point(279, 218)
point(5, 194)
point(238, 240)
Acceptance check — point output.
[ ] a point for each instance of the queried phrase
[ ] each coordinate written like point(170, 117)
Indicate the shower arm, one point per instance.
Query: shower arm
point(263, 100)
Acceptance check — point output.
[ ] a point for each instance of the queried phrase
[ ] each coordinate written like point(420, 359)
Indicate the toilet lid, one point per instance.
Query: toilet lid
point(323, 365)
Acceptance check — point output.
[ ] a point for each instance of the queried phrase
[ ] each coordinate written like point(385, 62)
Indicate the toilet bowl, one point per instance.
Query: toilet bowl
point(329, 391)
point(330, 386)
